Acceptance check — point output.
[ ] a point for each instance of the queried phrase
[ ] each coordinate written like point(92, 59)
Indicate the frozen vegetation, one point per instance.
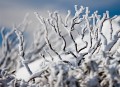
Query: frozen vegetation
point(78, 51)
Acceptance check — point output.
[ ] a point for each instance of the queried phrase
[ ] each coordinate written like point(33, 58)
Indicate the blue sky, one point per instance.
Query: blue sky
point(13, 8)
point(100, 5)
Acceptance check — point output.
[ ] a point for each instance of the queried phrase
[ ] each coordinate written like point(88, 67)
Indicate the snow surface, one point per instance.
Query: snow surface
point(22, 73)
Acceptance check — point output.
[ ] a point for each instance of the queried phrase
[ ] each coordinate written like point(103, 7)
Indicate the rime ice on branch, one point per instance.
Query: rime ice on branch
point(94, 42)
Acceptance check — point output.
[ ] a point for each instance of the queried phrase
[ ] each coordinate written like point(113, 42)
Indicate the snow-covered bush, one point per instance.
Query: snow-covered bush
point(82, 51)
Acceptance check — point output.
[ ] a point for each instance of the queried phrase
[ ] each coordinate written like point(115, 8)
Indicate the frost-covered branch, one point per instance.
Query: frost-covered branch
point(21, 49)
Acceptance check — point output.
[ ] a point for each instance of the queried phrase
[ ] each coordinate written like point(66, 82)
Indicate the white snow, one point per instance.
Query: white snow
point(36, 65)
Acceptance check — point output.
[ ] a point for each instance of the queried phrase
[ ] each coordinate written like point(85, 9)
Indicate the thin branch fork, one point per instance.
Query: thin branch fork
point(42, 21)
point(56, 28)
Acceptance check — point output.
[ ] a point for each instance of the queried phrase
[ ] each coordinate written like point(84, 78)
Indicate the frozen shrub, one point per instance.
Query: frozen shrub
point(82, 51)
